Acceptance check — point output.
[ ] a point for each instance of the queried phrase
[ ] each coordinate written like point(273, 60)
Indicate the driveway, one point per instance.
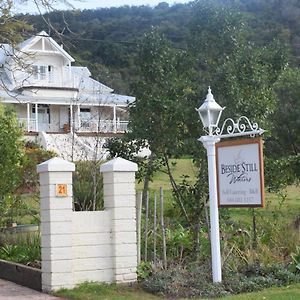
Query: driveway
point(12, 291)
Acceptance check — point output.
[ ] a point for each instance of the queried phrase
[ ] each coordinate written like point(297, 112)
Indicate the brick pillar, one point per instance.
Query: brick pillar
point(56, 223)
point(119, 198)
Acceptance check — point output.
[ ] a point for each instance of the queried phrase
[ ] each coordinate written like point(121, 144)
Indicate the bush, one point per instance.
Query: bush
point(25, 249)
point(144, 270)
point(196, 280)
point(11, 208)
point(88, 186)
point(11, 151)
point(33, 156)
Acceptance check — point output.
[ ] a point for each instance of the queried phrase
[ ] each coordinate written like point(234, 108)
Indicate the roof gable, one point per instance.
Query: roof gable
point(42, 42)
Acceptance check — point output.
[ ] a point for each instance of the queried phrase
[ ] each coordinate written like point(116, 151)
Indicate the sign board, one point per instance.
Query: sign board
point(61, 190)
point(240, 174)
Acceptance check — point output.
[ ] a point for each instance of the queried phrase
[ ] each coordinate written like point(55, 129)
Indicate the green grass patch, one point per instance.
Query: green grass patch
point(290, 292)
point(274, 203)
point(97, 291)
point(179, 167)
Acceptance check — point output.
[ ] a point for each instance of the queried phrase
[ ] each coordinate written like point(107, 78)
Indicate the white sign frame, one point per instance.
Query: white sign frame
point(240, 173)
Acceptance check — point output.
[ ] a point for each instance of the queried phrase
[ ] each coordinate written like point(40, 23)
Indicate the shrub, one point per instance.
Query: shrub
point(25, 249)
point(33, 156)
point(11, 150)
point(296, 260)
point(11, 208)
point(87, 186)
point(144, 270)
point(196, 280)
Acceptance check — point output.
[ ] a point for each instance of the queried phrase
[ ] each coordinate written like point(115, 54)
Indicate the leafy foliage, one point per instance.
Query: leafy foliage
point(194, 281)
point(24, 250)
point(11, 149)
point(33, 156)
point(87, 186)
point(296, 259)
point(12, 207)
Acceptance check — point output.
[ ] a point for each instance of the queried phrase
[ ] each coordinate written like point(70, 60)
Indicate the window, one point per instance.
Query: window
point(44, 73)
point(43, 113)
point(85, 117)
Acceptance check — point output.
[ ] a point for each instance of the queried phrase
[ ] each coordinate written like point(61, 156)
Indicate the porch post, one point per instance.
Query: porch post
point(78, 117)
point(71, 117)
point(28, 116)
point(115, 118)
point(36, 118)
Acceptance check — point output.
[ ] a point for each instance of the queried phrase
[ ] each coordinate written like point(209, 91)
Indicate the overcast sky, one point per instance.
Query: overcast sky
point(93, 4)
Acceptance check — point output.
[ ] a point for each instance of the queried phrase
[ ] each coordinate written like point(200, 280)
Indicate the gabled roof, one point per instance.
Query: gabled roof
point(28, 45)
point(5, 50)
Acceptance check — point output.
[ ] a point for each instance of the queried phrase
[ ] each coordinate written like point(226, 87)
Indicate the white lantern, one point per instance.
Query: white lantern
point(210, 112)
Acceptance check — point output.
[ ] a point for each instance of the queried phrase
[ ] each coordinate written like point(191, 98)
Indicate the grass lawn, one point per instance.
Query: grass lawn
point(289, 207)
point(94, 291)
point(291, 292)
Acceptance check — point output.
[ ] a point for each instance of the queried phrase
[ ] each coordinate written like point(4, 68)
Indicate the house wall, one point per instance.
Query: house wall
point(55, 116)
point(87, 246)
point(60, 77)
point(21, 110)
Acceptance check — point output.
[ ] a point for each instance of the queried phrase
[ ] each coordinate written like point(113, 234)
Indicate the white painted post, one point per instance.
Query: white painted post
point(209, 143)
point(71, 118)
point(36, 118)
point(119, 198)
point(56, 223)
point(78, 117)
point(28, 116)
point(115, 118)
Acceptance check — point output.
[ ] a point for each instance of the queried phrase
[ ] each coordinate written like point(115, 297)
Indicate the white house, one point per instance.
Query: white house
point(52, 98)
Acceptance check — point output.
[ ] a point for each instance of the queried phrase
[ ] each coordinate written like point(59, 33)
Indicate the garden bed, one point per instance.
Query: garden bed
point(21, 274)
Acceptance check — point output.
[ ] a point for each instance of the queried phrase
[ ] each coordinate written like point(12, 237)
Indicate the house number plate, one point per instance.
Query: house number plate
point(61, 190)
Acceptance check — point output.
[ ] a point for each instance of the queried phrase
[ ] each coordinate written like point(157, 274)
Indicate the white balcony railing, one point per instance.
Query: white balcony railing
point(32, 126)
point(27, 125)
point(103, 126)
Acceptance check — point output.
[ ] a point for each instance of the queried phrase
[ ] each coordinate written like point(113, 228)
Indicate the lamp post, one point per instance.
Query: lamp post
point(210, 112)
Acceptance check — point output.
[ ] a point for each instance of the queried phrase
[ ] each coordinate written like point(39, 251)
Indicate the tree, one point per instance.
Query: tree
point(283, 145)
point(286, 127)
point(11, 151)
point(160, 117)
point(158, 114)
point(241, 73)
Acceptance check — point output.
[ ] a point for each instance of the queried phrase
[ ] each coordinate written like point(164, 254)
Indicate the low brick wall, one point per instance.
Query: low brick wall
point(91, 245)
point(21, 274)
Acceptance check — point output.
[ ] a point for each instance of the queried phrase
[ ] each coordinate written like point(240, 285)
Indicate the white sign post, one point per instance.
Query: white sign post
point(240, 173)
point(235, 168)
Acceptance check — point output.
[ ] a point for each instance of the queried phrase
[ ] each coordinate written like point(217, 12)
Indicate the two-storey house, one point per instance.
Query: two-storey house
point(58, 103)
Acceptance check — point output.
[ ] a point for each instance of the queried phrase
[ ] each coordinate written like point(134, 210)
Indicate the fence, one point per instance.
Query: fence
point(155, 228)
point(87, 246)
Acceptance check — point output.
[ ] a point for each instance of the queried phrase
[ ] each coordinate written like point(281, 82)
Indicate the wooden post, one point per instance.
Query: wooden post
point(28, 117)
point(154, 232)
point(36, 117)
point(163, 227)
point(146, 226)
point(139, 198)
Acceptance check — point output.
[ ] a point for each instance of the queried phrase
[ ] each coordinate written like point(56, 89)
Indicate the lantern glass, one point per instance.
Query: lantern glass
point(210, 112)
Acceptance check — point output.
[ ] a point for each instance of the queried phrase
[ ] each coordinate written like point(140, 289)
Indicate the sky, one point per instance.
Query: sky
point(93, 4)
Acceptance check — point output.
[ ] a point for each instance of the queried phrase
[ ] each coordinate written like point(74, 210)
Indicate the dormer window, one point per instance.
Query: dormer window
point(43, 73)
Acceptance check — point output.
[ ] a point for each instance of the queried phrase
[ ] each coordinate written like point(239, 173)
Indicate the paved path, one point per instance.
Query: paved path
point(12, 291)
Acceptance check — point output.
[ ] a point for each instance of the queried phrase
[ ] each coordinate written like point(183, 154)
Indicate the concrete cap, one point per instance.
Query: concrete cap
point(119, 165)
point(55, 164)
